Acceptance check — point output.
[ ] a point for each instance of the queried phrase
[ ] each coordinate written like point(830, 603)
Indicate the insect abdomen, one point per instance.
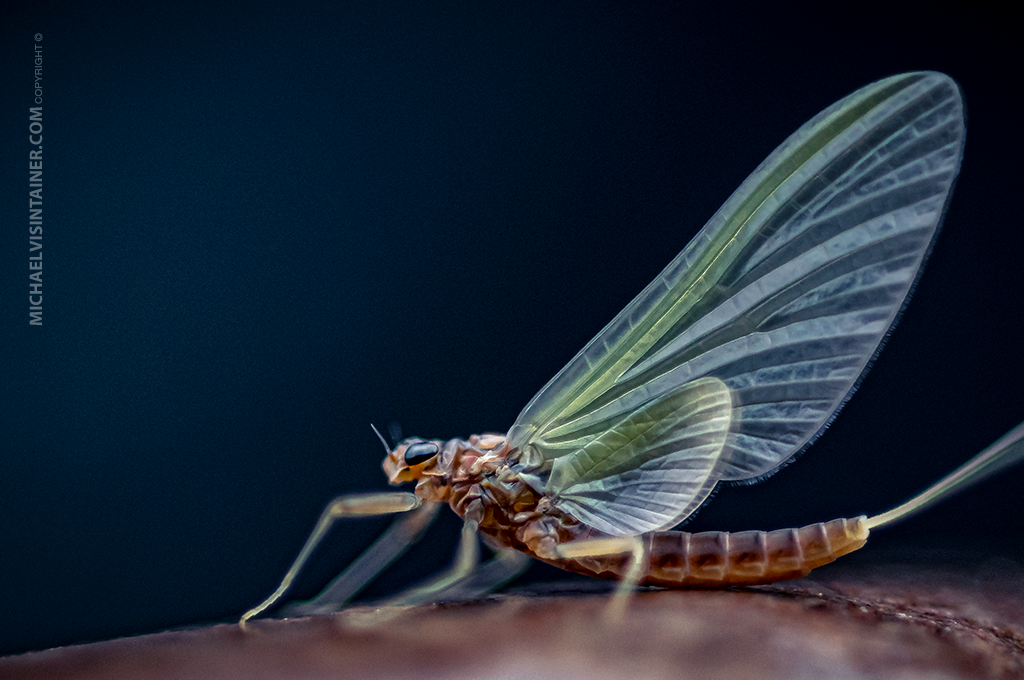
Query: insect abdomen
point(715, 559)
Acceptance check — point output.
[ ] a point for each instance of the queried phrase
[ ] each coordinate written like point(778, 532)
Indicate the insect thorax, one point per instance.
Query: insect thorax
point(488, 484)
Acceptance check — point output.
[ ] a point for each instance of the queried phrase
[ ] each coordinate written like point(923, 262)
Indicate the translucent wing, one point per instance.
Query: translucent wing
point(630, 479)
point(785, 295)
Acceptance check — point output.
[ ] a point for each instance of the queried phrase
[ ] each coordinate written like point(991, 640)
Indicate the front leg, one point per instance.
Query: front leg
point(403, 533)
point(362, 505)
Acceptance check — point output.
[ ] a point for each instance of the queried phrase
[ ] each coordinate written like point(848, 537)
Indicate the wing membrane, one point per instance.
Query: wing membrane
point(640, 474)
point(788, 291)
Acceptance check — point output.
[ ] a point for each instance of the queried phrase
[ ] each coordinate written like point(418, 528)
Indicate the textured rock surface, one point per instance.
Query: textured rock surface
point(886, 621)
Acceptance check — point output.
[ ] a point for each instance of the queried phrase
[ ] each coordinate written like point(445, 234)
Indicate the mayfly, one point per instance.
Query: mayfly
point(727, 365)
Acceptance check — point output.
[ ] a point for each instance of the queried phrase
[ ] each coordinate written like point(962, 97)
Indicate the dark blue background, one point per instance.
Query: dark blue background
point(267, 227)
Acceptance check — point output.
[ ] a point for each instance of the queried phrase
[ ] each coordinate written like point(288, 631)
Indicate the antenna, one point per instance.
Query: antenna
point(381, 438)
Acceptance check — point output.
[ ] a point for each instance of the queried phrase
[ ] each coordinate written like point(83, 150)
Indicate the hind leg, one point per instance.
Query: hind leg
point(604, 547)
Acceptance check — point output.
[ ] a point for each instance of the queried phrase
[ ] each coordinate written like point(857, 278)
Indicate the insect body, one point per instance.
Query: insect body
point(727, 365)
point(479, 479)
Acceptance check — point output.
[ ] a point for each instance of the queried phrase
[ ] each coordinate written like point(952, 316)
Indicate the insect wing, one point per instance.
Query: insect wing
point(785, 295)
point(630, 479)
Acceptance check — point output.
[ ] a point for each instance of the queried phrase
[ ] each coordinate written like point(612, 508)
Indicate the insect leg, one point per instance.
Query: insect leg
point(363, 505)
point(467, 557)
point(400, 536)
point(505, 566)
point(605, 547)
point(466, 578)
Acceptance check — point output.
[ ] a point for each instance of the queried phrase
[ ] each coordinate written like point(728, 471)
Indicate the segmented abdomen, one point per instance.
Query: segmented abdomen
point(717, 559)
point(714, 559)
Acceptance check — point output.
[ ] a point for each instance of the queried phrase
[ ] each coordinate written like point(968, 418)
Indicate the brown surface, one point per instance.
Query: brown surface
point(888, 622)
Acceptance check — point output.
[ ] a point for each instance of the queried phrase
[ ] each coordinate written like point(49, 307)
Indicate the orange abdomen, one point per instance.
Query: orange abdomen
point(717, 559)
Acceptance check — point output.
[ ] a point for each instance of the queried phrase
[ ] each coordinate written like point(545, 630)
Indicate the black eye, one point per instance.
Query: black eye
point(420, 453)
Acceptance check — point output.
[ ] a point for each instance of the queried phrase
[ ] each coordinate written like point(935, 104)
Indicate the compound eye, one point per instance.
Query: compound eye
point(420, 453)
